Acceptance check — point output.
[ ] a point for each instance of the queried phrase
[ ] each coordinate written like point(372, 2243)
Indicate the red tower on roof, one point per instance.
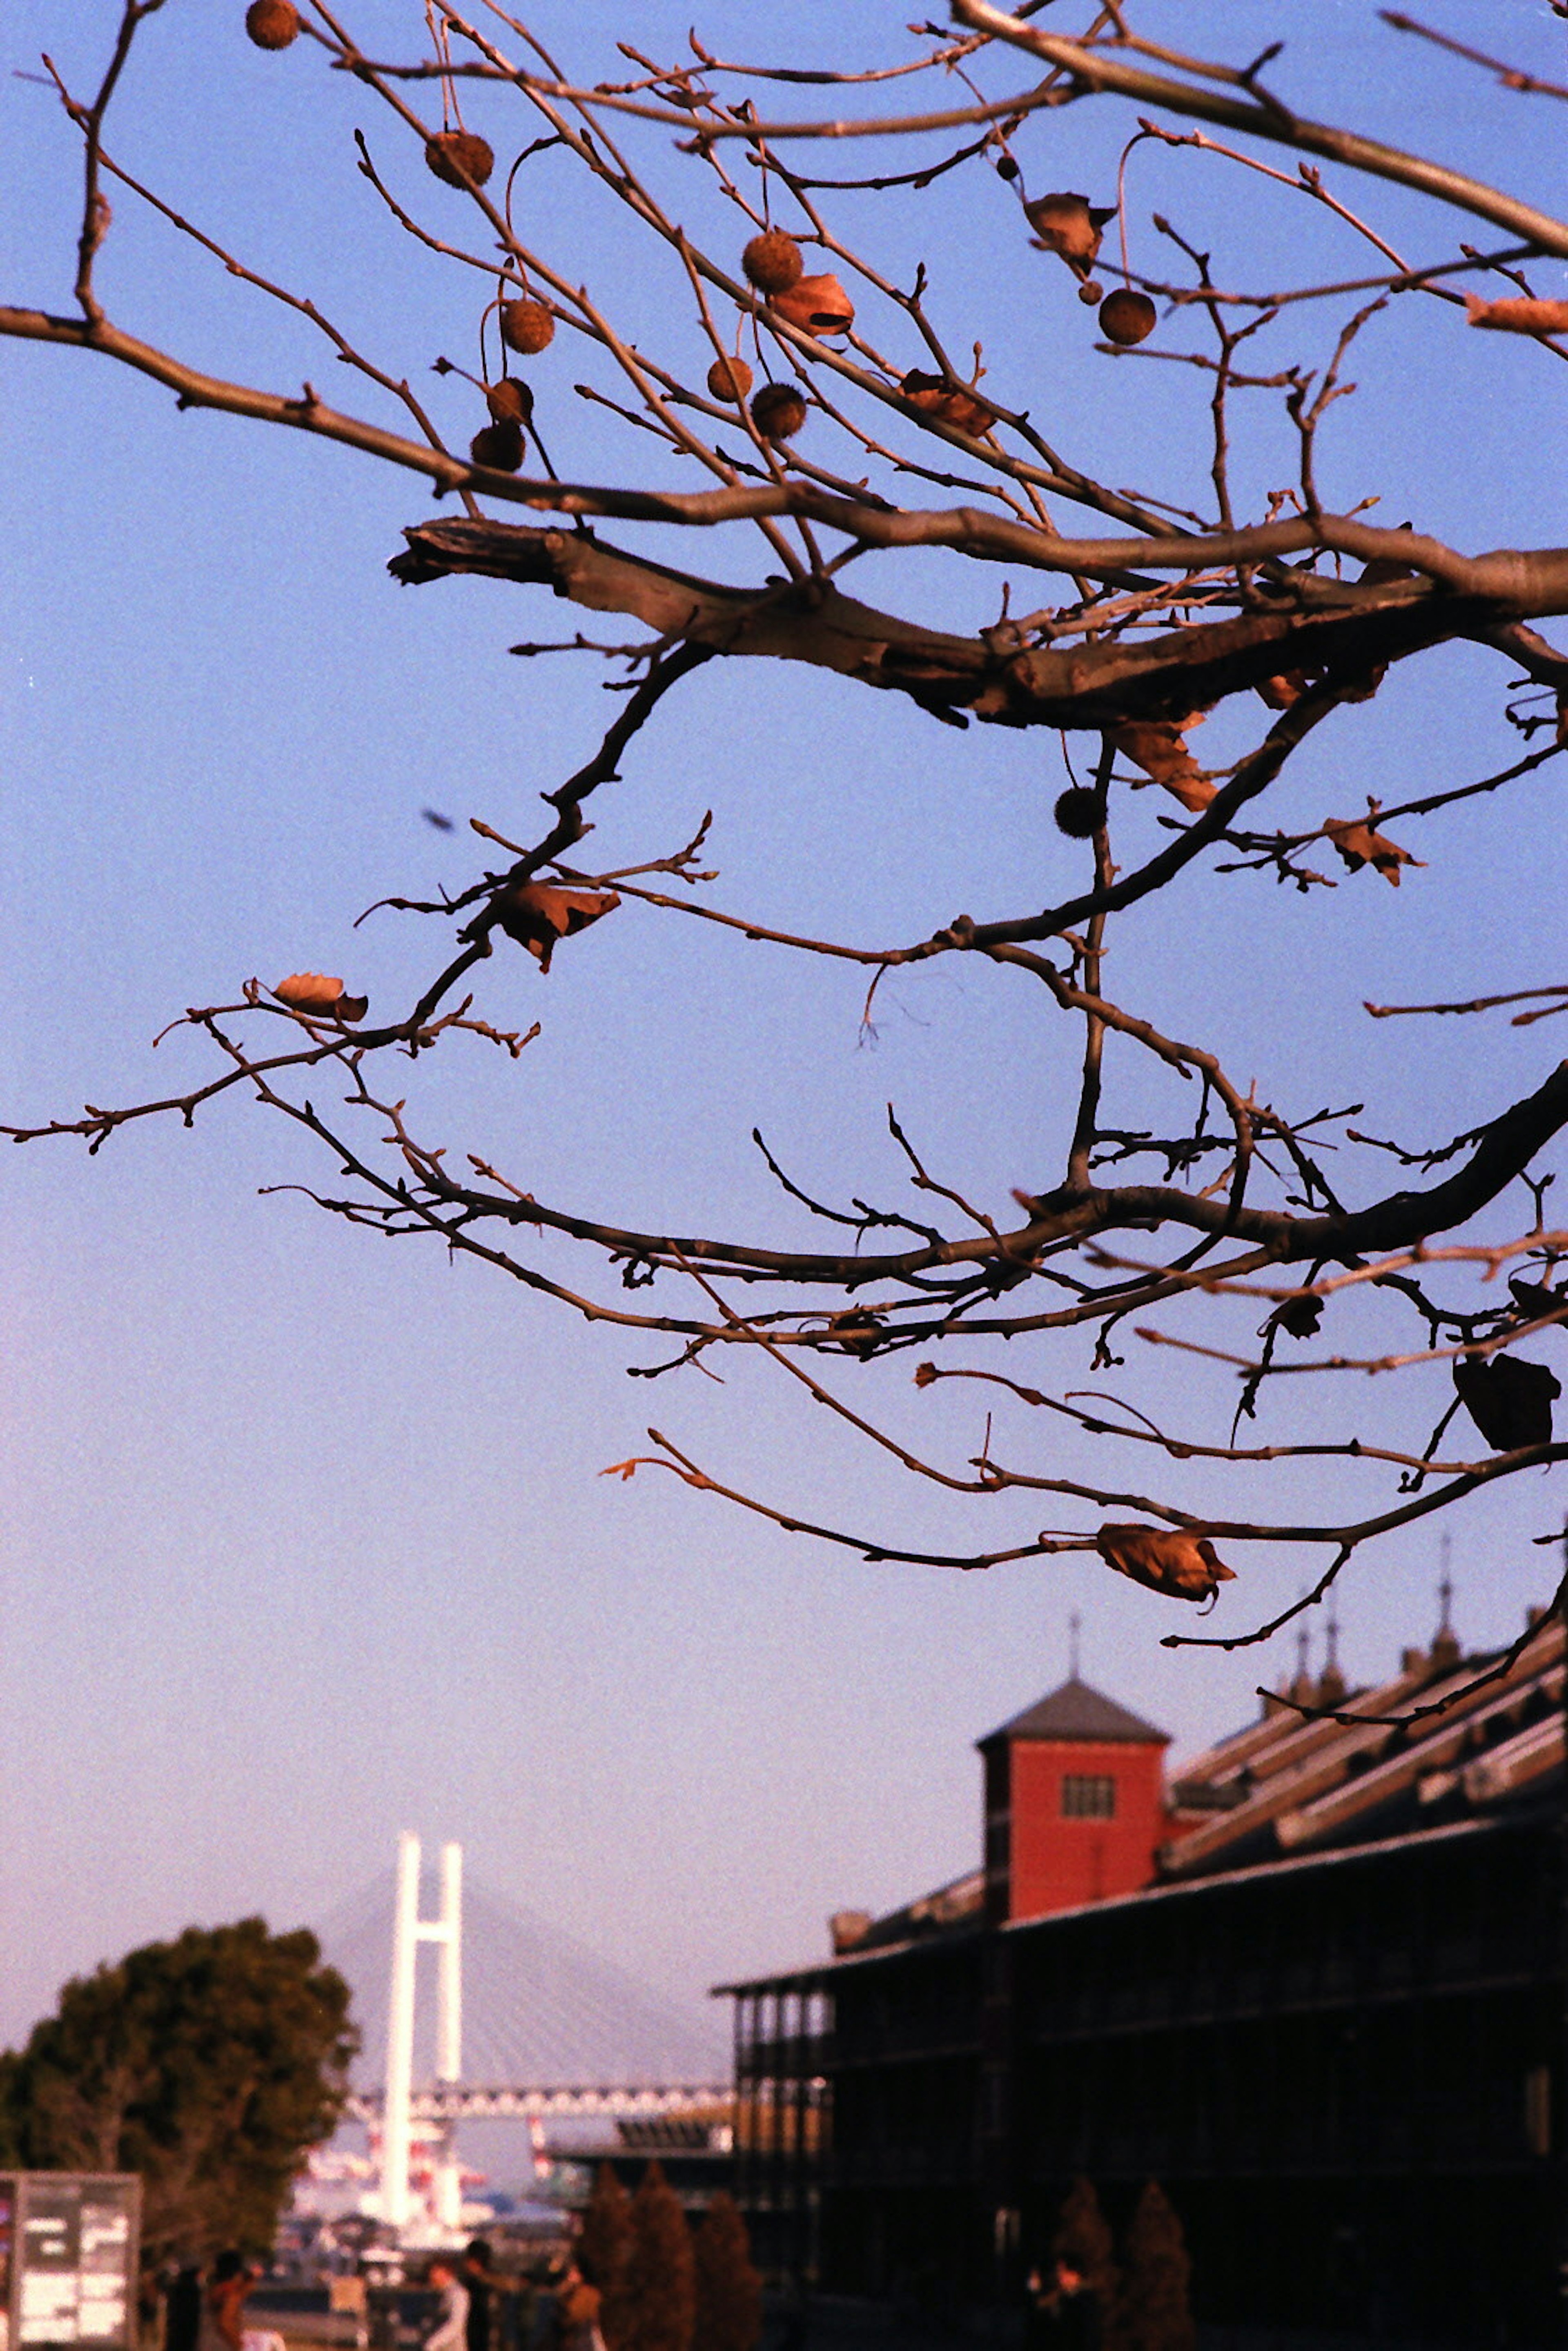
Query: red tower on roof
point(1074, 1804)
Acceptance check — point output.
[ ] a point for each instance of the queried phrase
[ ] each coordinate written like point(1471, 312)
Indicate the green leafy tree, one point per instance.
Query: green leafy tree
point(661, 2281)
point(729, 2289)
point(1155, 2313)
point(603, 2251)
point(210, 2065)
point(1083, 2238)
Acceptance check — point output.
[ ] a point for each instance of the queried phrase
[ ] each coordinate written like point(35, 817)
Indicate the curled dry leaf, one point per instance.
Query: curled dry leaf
point(1158, 746)
point(1172, 1560)
point(818, 306)
point(1518, 314)
point(1534, 1299)
point(953, 403)
point(1279, 692)
point(1509, 1398)
point(320, 991)
point(537, 913)
point(1300, 1316)
point(624, 1469)
point(857, 1330)
point(924, 1373)
point(1359, 845)
point(1067, 224)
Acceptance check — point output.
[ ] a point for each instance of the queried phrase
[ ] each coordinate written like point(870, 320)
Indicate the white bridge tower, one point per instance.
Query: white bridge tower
point(409, 1930)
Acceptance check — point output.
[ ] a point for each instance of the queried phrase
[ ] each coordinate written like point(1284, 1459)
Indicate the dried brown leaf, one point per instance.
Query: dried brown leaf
point(956, 406)
point(539, 914)
point(857, 1330)
point(1066, 223)
point(1281, 692)
point(1169, 1559)
point(320, 991)
point(1300, 1316)
point(1359, 845)
point(818, 306)
point(1158, 746)
point(1509, 1398)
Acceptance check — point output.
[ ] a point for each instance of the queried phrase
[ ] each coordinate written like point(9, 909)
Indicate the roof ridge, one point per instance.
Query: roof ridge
point(1076, 1710)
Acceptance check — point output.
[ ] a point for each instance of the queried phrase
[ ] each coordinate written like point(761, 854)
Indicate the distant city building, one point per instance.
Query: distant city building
point(1313, 1983)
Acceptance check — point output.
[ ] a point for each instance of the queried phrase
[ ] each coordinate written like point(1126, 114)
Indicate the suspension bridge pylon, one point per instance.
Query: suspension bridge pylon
point(409, 1930)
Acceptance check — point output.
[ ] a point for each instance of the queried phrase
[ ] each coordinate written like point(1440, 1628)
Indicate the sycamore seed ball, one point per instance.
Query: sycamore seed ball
point(500, 445)
point(772, 262)
point(461, 158)
point(778, 412)
point(1080, 812)
point(729, 380)
point(527, 327)
point(272, 24)
point(510, 401)
point(1126, 316)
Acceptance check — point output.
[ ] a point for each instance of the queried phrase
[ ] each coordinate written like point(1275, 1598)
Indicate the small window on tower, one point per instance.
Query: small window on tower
point(1088, 1796)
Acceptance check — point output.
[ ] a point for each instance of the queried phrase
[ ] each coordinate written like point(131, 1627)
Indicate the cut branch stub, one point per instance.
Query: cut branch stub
point(538, 915)
point(1518, 314)
point(1169, 1559)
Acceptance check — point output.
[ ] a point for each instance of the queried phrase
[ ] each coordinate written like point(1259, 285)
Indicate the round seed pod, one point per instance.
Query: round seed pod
point(778, 412)
point(1126, 316)
point(1006, 168)
point(527, 327)
point(1091, 292)
point(729, 380)
point(1080, 812)
point(772, 262)
point(509, 401)
point(461, 158)
point(500, 445)
point(272, 24)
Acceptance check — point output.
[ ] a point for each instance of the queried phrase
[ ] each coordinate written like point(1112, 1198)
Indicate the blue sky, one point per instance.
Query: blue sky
point(303, 1536)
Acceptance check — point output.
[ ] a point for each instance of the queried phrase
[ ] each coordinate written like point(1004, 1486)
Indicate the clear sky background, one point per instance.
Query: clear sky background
point(303, 1536)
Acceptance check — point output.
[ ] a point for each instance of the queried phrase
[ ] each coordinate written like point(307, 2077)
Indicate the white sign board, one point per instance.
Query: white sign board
point(69, 2259)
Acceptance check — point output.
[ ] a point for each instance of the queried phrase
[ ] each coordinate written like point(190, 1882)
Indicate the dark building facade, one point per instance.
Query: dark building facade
point(1326, 2014)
